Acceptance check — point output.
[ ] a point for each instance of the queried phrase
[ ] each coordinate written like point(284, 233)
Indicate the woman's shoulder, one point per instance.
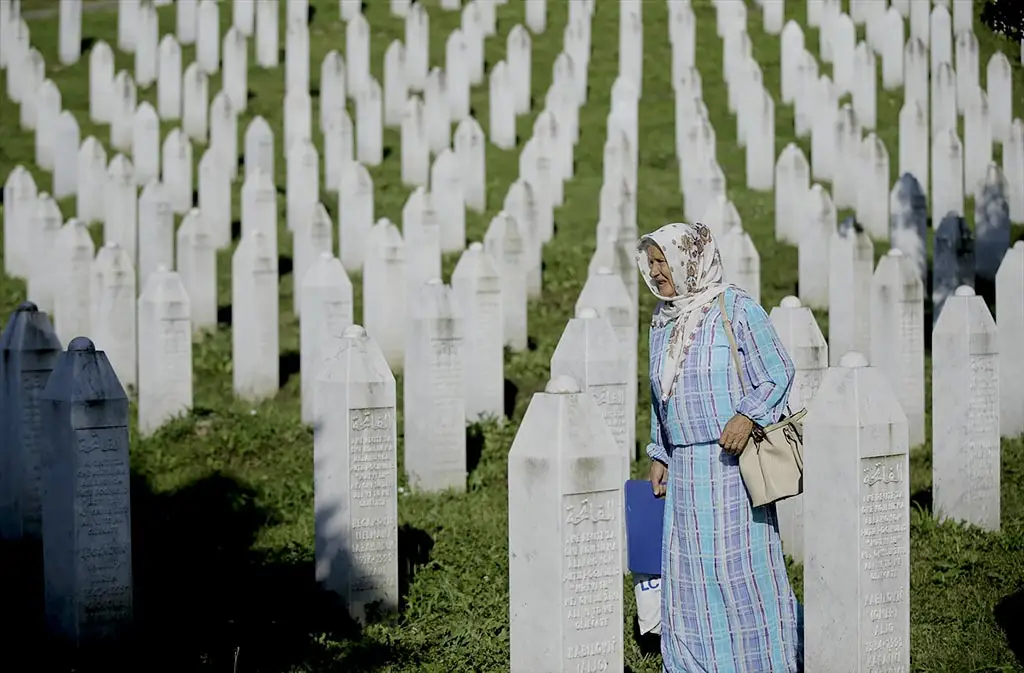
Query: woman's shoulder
point(746, 308)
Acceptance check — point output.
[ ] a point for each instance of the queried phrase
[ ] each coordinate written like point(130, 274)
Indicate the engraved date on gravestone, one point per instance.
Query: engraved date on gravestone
point(103, 522)
point(372, 466)
point(591, 580)
point(611, 400)
point(884, 558)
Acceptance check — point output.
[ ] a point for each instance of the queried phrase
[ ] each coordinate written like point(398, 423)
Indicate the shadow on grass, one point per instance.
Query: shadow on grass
point(205, 599)
point(474, 446)
point(922, 499)
point(511, 397)
point(1009, 614)
point(287, 366)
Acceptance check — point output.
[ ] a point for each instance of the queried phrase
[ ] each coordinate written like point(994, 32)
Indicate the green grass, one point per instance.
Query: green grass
point(223, 501)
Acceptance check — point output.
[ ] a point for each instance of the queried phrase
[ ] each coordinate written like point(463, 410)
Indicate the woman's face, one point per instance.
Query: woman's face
point(660, 272)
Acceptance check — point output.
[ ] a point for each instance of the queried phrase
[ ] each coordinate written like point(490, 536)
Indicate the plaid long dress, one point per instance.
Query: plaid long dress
point(727, 606)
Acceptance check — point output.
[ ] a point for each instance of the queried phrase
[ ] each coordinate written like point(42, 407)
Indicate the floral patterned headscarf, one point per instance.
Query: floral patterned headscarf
point(696, 266)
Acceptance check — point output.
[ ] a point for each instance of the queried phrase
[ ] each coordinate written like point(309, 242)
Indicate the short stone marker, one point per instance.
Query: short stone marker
point(857, 475)
point(965, 412)
point(87, 544)
point(28, 352)
point(434, 391)
point(355, 475)
point(1010, 314)
point(565, 536)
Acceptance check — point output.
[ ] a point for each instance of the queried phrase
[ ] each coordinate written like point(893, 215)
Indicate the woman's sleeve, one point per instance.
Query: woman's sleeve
point(656, 449)
point(768, 369)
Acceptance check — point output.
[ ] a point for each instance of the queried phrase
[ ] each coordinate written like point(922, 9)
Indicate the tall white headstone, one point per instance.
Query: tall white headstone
point(857, 538)
point(565, 536)
point(965, 412)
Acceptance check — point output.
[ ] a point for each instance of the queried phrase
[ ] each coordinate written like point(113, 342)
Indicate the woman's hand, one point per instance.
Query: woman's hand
point(658, 477)
point(736, 434)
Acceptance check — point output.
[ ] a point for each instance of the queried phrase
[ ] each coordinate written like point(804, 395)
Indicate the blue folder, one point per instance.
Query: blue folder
point(644, 516)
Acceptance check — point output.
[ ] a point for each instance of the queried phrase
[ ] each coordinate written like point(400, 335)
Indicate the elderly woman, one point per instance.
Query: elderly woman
point(727, 606)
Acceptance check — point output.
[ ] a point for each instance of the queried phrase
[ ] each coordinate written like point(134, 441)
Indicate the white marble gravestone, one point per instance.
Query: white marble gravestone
point(1010, 311)
point(87, 498)
point(165, 355)
point(196, 263)
point(504, 241)
point(851, 262)
point(355, 475)
point(254, 318)
point(808, 349)
point(434, 390)
point(156, 230)
point(476, 283)
point(897, 335)
point(28, 352)
point(73, 255)
point(565, 536)
point(114, 307)
point(591, 354)
point(326, 314)
point(857, 476)
point(965, 412)
point(385, 292)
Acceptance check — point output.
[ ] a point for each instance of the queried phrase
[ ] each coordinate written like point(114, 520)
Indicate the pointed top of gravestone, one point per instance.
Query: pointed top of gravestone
point(83, 344)
point(354, 332)
point(83, 375)
point(434, 281)
point(964, 291)
point(326, 255)
point(586, 313)
point(790, 302)
point(1019, 245)
point(852, 360)
point(29, 329)
point(562, 385)
point(895, 252)
point(476, 246)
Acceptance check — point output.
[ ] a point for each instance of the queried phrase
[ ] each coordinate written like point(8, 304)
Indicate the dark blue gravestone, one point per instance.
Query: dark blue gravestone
point(87, 547)
point(28, 351)
point(908, 222)
point(991, 225)
point(953, 263)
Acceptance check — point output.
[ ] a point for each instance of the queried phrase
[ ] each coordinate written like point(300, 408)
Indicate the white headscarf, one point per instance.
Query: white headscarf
point(696, 267)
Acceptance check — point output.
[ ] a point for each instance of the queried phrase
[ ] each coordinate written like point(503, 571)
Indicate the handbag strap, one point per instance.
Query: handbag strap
point(732, 343)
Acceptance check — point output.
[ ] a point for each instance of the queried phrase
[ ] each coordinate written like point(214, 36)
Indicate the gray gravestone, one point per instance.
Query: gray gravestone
point(953, 260)
point(908, 222)
point(992, 226)
point(28, 351)
point(87, 547)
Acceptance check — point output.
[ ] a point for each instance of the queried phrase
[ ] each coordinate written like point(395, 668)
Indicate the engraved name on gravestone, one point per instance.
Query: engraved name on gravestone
point(28, 351)
point(356, 475)
point(565, 536)
point(87, 554)
point(860, 490)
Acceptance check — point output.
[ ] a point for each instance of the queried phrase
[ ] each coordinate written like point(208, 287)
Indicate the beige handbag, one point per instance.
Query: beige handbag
point(772, 464)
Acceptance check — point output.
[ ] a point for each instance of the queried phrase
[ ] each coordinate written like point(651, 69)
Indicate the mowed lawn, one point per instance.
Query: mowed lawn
point(223, 499)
